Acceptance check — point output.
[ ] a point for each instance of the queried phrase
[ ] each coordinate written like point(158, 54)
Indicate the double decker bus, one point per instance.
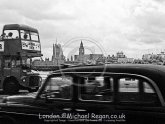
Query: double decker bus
point(19, 44)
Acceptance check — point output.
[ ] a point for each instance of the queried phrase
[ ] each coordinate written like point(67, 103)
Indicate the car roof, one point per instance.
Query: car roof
point(132, 68)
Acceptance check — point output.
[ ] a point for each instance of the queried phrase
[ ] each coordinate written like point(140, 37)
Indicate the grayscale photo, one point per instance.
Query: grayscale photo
point(82, 61)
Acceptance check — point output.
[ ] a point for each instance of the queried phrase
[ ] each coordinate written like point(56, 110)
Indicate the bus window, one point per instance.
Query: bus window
point(10, 34)
point(25, 35)
point(7, 63)
point(0, 63)
point(13, 63)
point(26, 61)
point(18, 62)
point(34, 36)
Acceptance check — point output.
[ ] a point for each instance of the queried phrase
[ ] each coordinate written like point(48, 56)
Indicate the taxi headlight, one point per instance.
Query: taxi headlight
point(24, 71)
point(40, 79)
point(23, 79)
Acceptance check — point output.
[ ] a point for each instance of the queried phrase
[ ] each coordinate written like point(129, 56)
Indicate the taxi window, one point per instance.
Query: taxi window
point(128, 85)
point(148, 88)
point(58, 88)
point(97, 88)
point(137, 91)
point(128, 90)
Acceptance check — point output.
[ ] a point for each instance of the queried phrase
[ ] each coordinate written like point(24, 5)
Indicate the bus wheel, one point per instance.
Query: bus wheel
point(33, 90)
point(11, 87)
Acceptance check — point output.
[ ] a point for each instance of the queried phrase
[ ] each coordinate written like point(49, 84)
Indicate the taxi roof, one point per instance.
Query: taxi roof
point(133, 68)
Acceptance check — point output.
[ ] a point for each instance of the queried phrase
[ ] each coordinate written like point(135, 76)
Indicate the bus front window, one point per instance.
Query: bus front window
point(34, 36)
point(10, 34)
point(25, 35)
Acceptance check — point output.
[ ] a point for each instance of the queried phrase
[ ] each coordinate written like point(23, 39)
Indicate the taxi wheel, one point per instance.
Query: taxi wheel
point(11, 87)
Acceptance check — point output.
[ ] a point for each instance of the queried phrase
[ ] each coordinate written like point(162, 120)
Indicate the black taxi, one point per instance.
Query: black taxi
point(115, 93)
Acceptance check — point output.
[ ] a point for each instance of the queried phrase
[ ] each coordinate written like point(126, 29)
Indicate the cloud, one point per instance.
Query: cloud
point(146, 23)
point(115, 24)
point(160, 1)
point(36, 10)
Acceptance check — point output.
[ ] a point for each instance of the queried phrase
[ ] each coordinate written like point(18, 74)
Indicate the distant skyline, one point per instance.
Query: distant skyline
point(135, 27)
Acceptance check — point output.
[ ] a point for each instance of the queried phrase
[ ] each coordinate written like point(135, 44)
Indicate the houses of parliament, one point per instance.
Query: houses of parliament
point(58, 58)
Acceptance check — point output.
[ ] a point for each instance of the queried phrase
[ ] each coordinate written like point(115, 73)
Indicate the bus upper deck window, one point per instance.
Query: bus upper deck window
point(34, 36)
point(10, 34)
point(25, 35)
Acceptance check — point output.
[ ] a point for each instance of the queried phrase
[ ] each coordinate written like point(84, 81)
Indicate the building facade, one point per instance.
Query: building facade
point(87, 58)
point(57, 57)
point(120, 55)
point(154, 58)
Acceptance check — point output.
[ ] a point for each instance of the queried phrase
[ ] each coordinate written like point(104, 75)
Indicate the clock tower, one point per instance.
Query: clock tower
point(81, 49)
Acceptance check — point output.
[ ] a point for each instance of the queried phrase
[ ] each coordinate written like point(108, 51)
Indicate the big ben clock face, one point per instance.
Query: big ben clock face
point(82, 51)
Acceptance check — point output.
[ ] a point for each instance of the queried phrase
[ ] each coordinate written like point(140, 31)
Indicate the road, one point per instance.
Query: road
point(21, 92)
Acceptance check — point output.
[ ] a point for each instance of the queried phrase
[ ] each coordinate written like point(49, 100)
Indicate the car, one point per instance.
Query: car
point(121, 93)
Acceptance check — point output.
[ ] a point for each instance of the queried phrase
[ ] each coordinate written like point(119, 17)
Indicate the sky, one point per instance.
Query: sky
point(135, 27)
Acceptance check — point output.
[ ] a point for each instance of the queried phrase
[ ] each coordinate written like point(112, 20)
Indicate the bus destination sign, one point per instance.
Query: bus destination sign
point(29, 45)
